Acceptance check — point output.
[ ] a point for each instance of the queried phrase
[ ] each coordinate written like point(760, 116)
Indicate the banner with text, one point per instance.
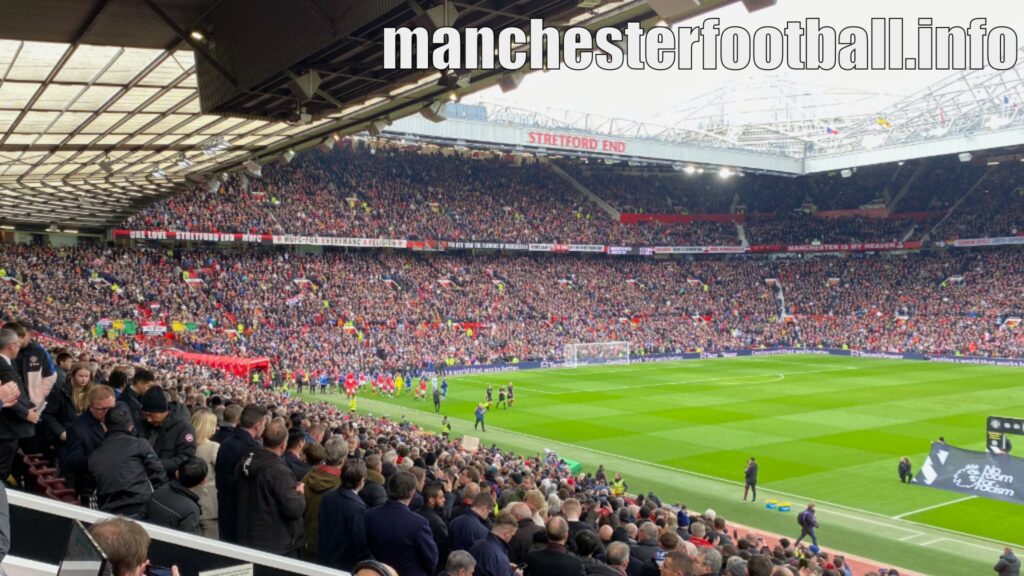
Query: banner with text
point(442, 245)
point(995, 476)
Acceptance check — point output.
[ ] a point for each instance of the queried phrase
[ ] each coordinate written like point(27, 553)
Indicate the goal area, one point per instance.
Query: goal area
point(596, 353)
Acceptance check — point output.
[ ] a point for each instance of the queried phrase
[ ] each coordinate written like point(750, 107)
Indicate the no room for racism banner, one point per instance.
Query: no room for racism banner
point(995, 476)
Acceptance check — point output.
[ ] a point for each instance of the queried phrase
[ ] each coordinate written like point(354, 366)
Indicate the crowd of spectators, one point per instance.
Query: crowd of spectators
point(359, 192)
point(940, 183)
point(206, 453)
point(393, 192)
point(367, 311)
point(803, 228)
point(995, 209)
point(653, 190)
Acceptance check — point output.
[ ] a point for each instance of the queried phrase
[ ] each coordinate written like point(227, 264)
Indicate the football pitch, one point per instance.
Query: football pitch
point(823, 429)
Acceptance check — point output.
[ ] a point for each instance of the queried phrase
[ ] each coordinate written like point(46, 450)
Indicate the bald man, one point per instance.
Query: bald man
point(555, 559)
point(526, 534)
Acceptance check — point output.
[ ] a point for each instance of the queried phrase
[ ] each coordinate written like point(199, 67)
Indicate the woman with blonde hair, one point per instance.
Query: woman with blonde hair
point(64, 403)
point(538, 506)
point(204, 421)
point(80, 379)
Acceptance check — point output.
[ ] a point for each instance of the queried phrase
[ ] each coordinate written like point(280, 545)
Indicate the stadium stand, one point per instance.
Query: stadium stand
point(399, 192)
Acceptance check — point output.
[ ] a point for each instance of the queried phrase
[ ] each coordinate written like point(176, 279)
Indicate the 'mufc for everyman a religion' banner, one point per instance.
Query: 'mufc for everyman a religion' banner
point(996, 476)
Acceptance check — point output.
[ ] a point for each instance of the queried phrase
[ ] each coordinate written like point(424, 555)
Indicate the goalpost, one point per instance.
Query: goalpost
point(591, 353)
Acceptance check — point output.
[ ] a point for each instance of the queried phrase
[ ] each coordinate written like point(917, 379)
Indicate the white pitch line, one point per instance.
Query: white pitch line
point(911, 537)
point(933, 507)
point(832, 505)
point(989, 548)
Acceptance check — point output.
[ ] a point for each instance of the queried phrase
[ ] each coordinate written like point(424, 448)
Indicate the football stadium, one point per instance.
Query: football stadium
point(489, 288)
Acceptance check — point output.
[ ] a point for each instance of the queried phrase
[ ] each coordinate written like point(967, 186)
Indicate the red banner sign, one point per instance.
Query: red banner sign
point(576, 142)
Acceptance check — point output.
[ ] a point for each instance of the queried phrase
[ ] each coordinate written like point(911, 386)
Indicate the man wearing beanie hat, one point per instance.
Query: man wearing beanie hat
point(170, 435)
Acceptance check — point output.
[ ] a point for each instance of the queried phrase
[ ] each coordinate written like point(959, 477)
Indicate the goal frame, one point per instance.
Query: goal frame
point(574, 358)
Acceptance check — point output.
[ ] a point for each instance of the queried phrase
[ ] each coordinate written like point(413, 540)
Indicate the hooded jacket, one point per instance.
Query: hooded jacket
point(319, 481)
point(174, 442)
point(373, 492)
point(1008, 565)
point(269, 508)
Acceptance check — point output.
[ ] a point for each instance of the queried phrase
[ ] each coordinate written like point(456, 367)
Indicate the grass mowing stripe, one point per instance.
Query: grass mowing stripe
point(831, 429)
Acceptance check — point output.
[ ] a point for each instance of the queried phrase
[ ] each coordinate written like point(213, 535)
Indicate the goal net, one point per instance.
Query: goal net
point(592, 353)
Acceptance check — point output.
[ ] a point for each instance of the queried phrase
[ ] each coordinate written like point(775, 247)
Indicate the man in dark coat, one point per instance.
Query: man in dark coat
point(398, 536)
point(572, 510)
point(125, 468)
point(587, 545)
point(85, 435)
point(750, 479)
point(169, 433)
point(17, 421)
point(270, 501)
point(293, 453)
point(491, 553)
point(231, 415)
point(432, 509)
point(906, 474)
point(132, 395)
point(526, 534)
point(646, 546)
point(341, 541)
point(174, 504)
point(471, 527)
point(555, 560)
point(241, 442)
point(1008, 564)
point(808, 523)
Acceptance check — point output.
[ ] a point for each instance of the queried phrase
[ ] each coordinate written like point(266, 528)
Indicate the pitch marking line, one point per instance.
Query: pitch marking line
point(933, 507)
point(988, 548)
point(860, 515)
point(726, 381)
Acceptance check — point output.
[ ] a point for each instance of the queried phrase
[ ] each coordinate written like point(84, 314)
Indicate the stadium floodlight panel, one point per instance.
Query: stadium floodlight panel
point(253, 168)
point(288, 155)
point(965, 156)
point(725, 173)
point(215, 145)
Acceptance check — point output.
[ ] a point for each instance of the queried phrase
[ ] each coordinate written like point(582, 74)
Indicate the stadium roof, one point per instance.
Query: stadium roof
point(101, 111)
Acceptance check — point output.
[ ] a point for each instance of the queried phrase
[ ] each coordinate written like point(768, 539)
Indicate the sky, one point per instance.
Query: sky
point(649, 94)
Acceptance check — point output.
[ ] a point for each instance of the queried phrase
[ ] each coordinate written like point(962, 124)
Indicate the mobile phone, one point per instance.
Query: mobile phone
point(154, 570)
point(41, 407)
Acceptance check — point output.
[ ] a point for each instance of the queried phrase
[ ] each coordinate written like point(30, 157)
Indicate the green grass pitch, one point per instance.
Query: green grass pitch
point(824, 429)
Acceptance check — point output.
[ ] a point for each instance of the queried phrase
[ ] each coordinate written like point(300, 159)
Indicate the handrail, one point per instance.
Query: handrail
point(162, 534)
